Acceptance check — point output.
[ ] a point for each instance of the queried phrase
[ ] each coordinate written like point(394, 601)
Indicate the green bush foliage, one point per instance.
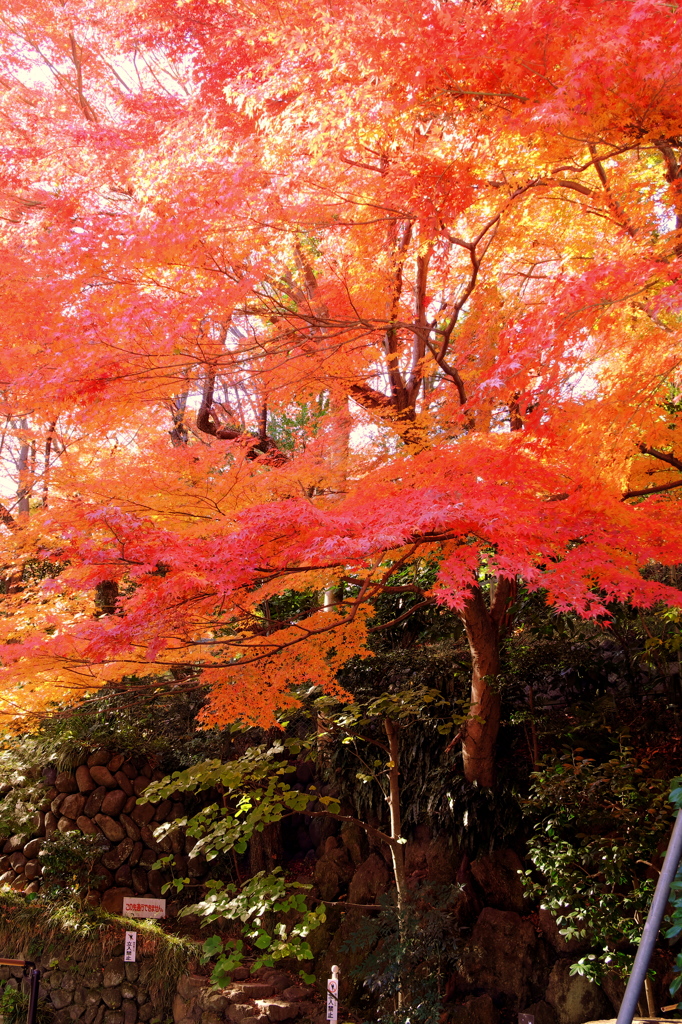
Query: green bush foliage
point(597, 830)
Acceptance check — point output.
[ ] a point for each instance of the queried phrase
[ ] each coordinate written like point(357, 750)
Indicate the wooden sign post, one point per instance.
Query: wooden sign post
point(333, 995)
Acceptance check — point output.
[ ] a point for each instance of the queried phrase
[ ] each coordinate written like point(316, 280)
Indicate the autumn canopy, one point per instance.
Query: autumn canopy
point(297, 293)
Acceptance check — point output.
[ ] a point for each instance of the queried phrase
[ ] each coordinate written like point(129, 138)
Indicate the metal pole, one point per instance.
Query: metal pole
point(653, 924)
point(34, 985)
point(33, 996)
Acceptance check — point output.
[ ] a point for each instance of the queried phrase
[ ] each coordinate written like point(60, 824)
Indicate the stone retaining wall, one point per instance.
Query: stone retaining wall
point(100, 797)
point(94, 993)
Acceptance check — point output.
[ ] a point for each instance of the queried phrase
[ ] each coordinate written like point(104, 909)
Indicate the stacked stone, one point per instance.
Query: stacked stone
point(100, 797)
point(115, 993)
point(267, 997)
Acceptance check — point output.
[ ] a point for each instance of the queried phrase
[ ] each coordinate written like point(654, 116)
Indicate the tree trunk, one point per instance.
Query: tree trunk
point(480, 732)
point(393, 799)
point(397, 846)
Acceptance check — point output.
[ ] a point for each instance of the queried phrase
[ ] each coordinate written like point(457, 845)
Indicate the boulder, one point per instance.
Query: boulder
point(187, 1001)
point(196, 865)
point(148, 857)
point(57, 802)
point(550, 931)
point(339, 946)
point(102, 776)
point(480, 1010)
point(253, 990)
point(214, 1001)
point(137, 851)
point(116, 762)
point(113, 1017)
point(147, 836)
point(277, 980)
point(139, 880)
point(430, 858)
point(177, 811)
point(88, 826)
point(163, 810)
point(156, 881)
point(613, 987)
point(17, 861)
point(124, 783)
point(33, 848)
point(114, 802)
point(60, 998)
point(140, 784)
point(371, 880)
point(498, 875)
point(84, 779)
point(124, 876)
point(278, 1009)
point(574, 998)
point(67, 825)
point(112, 900)
point(101, 878)
point(113, 830)
point(93, 803)
point(242, 1011)
point(500, 956)
point(38, 821)
point(542, 1012)
point(333, 869)
point(142, 814)
point(99, 757)
point(14, 843)
point(295, 993)
point(112, 997)
point(65, 783)
point(129, 1011)
point(118, 854)
point(72, 805)
point(32, 869)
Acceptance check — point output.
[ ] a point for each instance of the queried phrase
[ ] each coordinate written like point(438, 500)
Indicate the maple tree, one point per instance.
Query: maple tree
point(298, 294)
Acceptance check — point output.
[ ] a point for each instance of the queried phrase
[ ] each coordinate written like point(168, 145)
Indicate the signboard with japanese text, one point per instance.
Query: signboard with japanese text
point(144, 906)
point(130, 947)
point(333, 995)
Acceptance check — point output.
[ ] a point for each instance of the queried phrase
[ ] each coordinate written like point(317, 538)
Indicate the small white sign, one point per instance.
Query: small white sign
point(143, 906)
point(333, 995)
point(130, 947)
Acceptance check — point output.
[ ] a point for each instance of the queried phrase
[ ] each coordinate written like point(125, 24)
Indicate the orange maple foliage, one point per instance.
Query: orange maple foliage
point(443, 238)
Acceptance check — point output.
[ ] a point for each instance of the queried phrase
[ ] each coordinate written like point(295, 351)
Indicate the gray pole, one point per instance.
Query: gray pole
point(653, 924)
